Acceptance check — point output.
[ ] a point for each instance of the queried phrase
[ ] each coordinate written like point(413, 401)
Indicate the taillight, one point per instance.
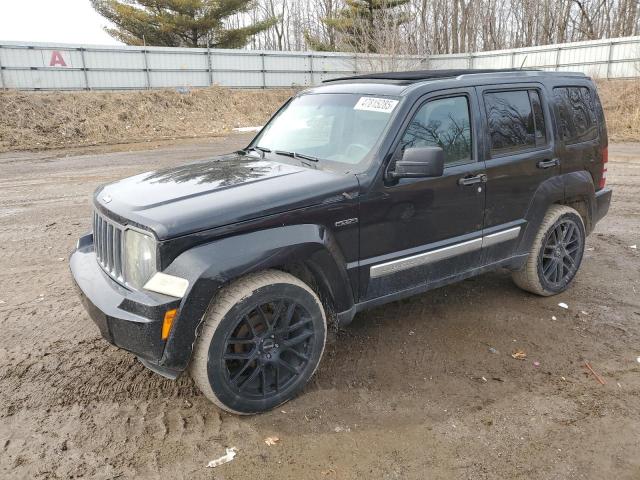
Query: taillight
point(605, 160)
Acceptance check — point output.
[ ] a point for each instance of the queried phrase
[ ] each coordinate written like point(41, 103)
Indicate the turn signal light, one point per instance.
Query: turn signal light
point(168, 322)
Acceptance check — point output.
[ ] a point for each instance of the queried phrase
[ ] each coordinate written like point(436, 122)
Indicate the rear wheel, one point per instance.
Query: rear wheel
point(556, 253)
point(261, 342)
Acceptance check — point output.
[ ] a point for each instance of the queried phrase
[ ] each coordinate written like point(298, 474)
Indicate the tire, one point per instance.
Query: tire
point(547, 254)
point(246, 359)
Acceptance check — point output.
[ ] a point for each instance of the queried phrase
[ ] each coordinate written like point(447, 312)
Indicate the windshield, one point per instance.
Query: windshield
point(337, 127)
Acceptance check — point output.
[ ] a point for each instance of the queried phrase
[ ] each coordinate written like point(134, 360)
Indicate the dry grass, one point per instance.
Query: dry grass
point(621, 103)
point(44, 120)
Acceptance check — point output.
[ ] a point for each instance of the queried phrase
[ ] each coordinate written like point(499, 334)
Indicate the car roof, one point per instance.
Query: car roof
point(399, 83)
point(420, 75)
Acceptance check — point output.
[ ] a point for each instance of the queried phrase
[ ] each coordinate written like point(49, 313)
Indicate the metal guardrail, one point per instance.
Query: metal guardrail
point(43, 66)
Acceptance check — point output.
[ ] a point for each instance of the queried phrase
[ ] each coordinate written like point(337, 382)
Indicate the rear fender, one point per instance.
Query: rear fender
point(579, 188)
point(209, 267)
point(561, 189)
point(548, 192)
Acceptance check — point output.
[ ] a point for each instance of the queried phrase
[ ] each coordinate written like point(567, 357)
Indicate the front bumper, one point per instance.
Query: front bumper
point(128, 319)
point(603, 200)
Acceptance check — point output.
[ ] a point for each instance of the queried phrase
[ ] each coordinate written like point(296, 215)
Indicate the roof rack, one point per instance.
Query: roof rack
point(420, 75)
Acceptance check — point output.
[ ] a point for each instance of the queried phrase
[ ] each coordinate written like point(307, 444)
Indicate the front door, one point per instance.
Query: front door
point(415, 232)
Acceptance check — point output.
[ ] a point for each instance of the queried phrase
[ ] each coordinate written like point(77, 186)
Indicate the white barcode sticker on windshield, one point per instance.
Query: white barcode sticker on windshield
point(372, 104)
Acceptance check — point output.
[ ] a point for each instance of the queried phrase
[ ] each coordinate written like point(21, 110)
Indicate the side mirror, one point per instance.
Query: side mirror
point(420, 162)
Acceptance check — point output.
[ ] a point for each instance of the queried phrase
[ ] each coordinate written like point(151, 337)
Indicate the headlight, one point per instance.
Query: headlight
point(139, 258)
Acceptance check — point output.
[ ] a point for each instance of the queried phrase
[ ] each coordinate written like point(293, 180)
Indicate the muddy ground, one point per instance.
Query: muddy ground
point(399, 395)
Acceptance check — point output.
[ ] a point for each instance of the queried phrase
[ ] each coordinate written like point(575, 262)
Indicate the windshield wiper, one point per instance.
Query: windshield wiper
point(296, 155)
point(263, 150)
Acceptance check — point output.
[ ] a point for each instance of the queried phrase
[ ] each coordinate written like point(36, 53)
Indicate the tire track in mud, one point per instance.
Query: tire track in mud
point(87, 371)
point(67, 361)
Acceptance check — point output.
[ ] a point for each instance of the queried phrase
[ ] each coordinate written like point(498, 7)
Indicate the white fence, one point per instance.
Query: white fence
point(44, 66)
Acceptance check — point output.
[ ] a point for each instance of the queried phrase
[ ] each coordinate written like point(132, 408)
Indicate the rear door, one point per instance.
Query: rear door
point(520, 154)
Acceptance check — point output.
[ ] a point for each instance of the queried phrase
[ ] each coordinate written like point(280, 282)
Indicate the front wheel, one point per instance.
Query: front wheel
point(261, 342)
point(556, 253)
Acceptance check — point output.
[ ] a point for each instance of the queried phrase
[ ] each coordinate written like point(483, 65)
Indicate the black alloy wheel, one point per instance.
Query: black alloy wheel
point(561, 253)
point(268, 349)
point(261, 341)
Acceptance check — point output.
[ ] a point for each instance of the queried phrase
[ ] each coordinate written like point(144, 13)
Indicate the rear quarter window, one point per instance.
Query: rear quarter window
point(577, 114)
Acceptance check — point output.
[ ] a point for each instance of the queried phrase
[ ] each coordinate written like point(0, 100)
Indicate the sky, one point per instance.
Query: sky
point(60, 21)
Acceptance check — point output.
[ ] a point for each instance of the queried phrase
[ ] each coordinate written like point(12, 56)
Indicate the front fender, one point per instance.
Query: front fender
point(210, 266)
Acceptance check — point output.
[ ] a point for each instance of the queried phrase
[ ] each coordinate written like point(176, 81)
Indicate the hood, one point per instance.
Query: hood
point(217, 192)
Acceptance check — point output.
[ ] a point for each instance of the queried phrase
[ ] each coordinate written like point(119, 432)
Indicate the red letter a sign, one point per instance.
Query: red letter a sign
point(56, 59)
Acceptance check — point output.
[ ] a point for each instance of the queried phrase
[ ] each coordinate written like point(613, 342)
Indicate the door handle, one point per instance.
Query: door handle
point(464, 181)
point(548, 163)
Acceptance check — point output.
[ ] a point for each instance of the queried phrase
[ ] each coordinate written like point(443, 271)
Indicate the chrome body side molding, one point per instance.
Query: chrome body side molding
point(499, 237)
point(432, 256)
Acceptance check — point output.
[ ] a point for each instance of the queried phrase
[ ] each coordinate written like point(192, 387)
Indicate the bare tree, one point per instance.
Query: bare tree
point(443, 26)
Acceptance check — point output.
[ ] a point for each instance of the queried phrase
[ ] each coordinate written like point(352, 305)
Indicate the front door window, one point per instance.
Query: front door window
point(442, 123)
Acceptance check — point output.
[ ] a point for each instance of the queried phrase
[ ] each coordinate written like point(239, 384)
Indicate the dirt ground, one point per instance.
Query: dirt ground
point(400, 394)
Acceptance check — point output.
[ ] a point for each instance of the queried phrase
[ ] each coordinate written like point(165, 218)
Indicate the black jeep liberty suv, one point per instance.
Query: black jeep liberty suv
point(356, 193)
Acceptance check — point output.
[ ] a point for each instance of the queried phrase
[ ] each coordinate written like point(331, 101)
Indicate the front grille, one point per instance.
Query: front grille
point(108, 244)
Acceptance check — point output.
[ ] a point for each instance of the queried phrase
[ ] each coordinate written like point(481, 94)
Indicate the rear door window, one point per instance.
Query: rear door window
point(516, 121)
point(577, 114)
